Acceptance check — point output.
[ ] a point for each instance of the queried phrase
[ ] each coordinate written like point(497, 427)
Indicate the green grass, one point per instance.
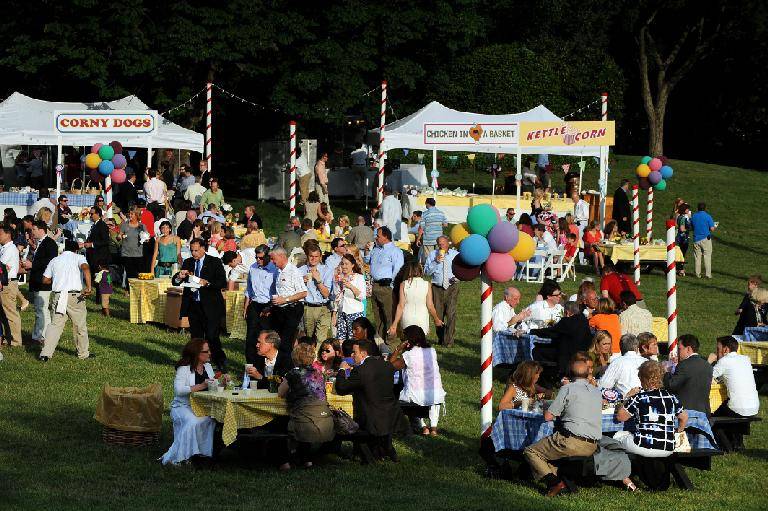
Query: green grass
point(52, 457)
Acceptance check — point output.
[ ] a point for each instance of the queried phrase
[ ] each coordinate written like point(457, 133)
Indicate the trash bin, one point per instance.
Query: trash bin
point(173, 308)
point(130, 415)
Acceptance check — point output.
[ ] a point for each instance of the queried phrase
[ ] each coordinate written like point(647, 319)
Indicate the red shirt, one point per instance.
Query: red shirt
point(615, 283)
point(148, 219)
point(570, 250)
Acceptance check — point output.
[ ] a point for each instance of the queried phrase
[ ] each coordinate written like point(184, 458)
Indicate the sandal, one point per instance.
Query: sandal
point(425, 431)
point(630, 486)
point(433, 432)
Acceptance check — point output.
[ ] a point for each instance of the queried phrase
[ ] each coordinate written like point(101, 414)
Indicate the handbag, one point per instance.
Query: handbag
point(343, 424)
point(681, 442)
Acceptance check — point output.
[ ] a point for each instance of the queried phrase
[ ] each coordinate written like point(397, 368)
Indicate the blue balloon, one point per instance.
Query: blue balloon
point(106, 167)
point(666, 171)
point(474, 250)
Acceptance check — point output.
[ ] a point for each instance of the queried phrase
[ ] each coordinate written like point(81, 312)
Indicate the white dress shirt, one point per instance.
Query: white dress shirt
point(194, 193)
point(240, 271)
point(360, 156)
point(621, 373)
point(289, 281)
point(541, 311)
point(302, 167)
point(45, 202)
point(581, 211)
point(736, 372)
point(9, 256)
point(547, 243)
point(64, 271)
point(391, 213)
point(155, 190)
point(502, 314)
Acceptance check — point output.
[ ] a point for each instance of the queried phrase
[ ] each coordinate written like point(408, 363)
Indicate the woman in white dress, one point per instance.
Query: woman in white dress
point(349, 290)
point(192, 435)
point(415, 305)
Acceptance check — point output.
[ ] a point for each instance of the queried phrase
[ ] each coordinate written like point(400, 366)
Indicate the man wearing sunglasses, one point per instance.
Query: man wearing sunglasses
point(547, 311)
point(63, 211)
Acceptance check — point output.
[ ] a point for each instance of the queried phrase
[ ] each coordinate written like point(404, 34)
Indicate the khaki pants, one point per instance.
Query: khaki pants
point(76, 311)
point(553, 448)
point(42, 314)
point(317, 322)
point(8, 295)
point(445, 305)
point(382, 311)
point(703, 248)
point(303, 188)
point(322, 192)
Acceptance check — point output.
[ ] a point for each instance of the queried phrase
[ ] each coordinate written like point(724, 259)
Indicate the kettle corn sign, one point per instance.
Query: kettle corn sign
point(471, 133)
point(578, 133)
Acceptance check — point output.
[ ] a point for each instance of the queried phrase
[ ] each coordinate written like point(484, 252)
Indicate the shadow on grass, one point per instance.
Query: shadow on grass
point(138, 348)
point(740, 246)
point(705, 284)
point(758, 454)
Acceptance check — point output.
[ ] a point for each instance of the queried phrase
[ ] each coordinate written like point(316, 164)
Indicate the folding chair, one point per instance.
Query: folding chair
point(555, 264)
point(568, 268)
point(539, 261)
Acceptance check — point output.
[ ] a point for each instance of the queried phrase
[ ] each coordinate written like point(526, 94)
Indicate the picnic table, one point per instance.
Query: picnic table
point(650, 253)
point(515, 429)
point(509, 348)
point(147, 299)
point(234, 410)
point(756, 333)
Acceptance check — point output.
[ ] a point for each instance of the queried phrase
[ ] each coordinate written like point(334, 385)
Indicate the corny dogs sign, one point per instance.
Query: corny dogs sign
point(106, 121)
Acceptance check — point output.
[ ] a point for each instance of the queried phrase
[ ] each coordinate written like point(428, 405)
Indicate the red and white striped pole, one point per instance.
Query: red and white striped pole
point(603, 161)
point(649, 216)
point(636, 232)
point(671, 290)
point(208, 119)
point(108, 198)
point(382, 152)
point(292, 198)
point(486, 355)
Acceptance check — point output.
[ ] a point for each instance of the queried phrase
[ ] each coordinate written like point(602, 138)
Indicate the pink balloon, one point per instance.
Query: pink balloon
point(655, 164)
point(500, 267)
point(96, 147)
point(118, 176)
point(498, 213)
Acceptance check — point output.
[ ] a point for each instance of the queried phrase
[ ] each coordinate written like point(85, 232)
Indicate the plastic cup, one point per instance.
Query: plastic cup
point(525, 404)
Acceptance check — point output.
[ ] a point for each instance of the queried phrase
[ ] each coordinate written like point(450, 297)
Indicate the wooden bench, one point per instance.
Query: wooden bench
point(729, 431)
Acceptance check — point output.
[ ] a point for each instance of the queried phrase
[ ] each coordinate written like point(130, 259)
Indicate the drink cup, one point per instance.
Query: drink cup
point(525, 404)
point(254, 385)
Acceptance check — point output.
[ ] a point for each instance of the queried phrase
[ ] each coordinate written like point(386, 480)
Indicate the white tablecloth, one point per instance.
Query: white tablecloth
point(341, 181)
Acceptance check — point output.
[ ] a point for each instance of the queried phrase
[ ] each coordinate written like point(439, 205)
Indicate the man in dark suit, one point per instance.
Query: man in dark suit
point(184, 230)
point(127, 196)
point(569, 335)
point(204, 305)
point(45, 251)
point(269, 361)
point(375, 407)
point(97, 243)
point(622, 212)
point(249, 215)
point(692, 378)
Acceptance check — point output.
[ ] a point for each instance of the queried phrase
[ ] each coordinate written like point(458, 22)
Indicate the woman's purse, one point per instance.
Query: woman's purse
point(681, 442)
point(343, 424)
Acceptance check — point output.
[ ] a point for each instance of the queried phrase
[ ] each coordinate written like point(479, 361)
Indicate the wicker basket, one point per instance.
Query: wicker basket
point(73, 190)
point(129, 438)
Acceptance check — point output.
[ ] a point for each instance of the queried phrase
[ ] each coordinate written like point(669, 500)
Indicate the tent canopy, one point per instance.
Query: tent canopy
point(29, 121)
point(408, 133)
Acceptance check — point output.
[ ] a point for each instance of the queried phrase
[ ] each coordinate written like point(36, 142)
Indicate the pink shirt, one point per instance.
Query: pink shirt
point(320, 172)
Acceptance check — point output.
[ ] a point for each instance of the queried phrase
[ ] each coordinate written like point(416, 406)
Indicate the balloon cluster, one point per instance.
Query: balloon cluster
point(107, 160)
point(653, 172)
point(488, 244)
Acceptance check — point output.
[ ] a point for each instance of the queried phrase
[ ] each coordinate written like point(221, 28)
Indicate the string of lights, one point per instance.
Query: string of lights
point(595, 102)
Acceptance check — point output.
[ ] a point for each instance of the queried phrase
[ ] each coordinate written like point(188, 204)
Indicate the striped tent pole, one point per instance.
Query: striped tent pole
point(382, 152)
point(671, 290)
point(636, 232)
point(208, 118)
point(108, 198)
point(292, 199)
point(649, 216)
point(603, 162)
point(486, 355)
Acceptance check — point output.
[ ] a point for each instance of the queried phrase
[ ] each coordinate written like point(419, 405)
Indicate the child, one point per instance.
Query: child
point(571, 247)
point(754, 281)
point(103, 279)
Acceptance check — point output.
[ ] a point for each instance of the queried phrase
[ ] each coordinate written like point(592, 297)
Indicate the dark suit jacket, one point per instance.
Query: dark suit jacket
point(691, 383)
point(569, 335)
point(283, 364)
point(46, 250)
point(210, 295)
point(127, 196)
point(184, 230)
point(375, 407)
point(621, 209)
point(256, 218)
point(99, 236)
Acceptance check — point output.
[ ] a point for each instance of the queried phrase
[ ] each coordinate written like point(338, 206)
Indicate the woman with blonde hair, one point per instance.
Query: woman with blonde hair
point(343, 228)
point(522, 384)
point(416, 304)
point(216, 234)
point(600, 352)
point(45, 214)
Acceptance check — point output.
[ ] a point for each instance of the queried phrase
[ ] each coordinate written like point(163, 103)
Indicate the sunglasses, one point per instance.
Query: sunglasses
point(328, 351)
point(556, 294)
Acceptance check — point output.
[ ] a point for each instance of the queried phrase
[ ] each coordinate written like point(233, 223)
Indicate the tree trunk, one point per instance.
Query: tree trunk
point(656, 124)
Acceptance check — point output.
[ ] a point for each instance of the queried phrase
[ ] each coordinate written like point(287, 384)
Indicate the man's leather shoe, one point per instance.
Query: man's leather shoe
point(556, 489)
point(43, 359)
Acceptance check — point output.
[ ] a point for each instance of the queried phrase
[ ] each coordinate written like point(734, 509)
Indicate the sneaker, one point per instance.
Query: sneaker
point(90, 355)
point(43, 358)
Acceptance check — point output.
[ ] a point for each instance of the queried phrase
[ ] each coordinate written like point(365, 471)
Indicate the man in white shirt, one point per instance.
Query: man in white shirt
point(237, 264)
point(580, 217)
point(391, 213)
point(547, 311)
point(43, 201)
point(288, 304)
point(544, 239)
point(338, 249)
point(303, 174)
point(155, 189)
point(634, 319)
point(504, 317)
point(195, 192)
point(65, 273)
point(621, 373)
point(359, 165)
point(736, 372)
point(9, 256)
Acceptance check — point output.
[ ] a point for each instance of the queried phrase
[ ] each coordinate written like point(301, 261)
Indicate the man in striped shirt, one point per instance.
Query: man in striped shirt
point(432, 222)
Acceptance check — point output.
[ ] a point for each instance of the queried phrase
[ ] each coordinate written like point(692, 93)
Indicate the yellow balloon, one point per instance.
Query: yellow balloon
point(643, 170)
point(524, 249)
point(92, 161)
point(458, 233)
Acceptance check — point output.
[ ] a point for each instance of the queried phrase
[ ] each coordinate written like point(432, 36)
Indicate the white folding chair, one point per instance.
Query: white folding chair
point(555, 264)
point(568, 268)
point(539, 261)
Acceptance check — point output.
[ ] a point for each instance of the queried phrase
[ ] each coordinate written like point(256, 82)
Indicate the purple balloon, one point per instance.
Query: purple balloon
point(503, 237)
point(654, 177)
point(119, 161)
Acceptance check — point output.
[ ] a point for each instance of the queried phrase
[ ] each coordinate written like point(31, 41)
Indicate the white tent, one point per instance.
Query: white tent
point(408, 133)
point(29, 121)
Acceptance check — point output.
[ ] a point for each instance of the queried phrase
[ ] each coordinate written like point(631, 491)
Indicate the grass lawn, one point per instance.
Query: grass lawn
point(52, 456)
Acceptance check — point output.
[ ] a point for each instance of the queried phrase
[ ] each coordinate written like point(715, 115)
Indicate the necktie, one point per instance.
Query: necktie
point(198, 266)
point(446, 280)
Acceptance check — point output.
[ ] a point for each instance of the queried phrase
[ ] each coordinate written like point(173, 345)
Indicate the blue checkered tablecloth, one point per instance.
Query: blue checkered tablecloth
point(27, 199)
point(509, 349)
point(515, 429)
point(756, 334)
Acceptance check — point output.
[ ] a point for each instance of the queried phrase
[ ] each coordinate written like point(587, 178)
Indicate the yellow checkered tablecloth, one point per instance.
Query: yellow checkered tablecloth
point(147, 299)
point(626, 252)
point(718, 393)
point(236, 325)
point(659, 329)
point(757, 351)
point(240, 412)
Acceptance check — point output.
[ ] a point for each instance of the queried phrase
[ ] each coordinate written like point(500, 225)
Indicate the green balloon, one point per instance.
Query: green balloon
point(106, 152)
point(481, 219)
point(645, 159)
point(661, 185)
